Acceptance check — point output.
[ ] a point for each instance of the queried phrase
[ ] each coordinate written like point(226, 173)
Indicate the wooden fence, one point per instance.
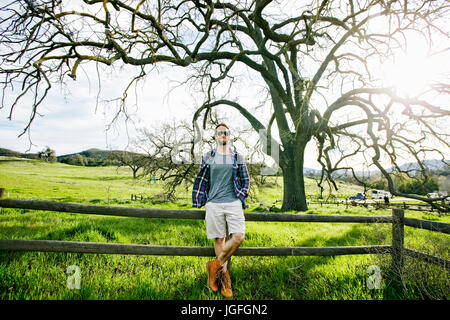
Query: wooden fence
point(396, 249)
point(380, 204)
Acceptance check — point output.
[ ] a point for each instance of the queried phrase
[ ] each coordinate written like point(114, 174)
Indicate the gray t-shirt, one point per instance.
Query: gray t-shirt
point(222, 186)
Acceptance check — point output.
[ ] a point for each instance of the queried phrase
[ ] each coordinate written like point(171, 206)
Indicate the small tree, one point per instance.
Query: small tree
point(134, 161)
point(48, 154)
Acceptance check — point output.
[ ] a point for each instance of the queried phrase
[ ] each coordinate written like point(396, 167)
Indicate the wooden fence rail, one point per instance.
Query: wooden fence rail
point(396, 250)
point(181, 214)
point(137, 249)
point(429, 225)
point(380, 204)
point(200, 214)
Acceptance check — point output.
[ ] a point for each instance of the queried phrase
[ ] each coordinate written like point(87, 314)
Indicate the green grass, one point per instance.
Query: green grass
point(40, 275)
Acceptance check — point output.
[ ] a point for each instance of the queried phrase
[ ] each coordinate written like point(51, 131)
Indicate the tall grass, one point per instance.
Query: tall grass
point(39, 275)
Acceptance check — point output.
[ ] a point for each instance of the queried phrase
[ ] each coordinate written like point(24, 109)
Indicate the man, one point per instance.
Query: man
point(222, 186)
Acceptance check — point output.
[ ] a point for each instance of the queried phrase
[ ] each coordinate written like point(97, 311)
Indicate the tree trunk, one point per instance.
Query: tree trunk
point(135, 170)
point(291, 163)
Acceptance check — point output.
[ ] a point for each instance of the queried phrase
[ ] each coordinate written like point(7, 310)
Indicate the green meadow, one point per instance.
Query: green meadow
point(44, 275)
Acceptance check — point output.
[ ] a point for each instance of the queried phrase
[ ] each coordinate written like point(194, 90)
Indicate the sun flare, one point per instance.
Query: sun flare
point(414, 70)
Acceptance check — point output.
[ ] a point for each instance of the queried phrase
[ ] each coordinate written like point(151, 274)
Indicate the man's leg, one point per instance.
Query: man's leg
point(224, 250)
point(236, 227)
point(218, 248)
point(214, 266)
point(228, 248)
point(215, 226)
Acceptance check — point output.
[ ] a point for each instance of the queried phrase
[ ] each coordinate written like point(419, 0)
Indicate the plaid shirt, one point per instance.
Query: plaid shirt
point(241, 179)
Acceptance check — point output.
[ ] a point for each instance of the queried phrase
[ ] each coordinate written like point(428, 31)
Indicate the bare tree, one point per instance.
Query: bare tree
point(132, 160)
point(317, 61)
point(165, 159)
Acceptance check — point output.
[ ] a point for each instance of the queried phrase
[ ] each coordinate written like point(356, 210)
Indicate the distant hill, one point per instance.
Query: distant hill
point(105, 155)
point(98, 157)
point(411, 167)
point(10, 153)
point(433, 165)
point(90, 153)
point(94, 154)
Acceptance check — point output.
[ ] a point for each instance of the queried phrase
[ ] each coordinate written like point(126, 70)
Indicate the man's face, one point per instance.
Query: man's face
point(221, 138)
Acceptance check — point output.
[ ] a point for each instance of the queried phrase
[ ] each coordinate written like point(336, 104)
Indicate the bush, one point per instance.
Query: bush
point(421, 187)
point(76, 160)
point(380, 184)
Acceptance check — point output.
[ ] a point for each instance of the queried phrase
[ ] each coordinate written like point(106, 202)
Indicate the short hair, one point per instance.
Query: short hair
point(222, 124)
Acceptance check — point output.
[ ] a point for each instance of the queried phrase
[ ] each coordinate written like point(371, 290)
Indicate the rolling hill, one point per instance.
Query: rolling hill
point(103, 155)
point(90, 153)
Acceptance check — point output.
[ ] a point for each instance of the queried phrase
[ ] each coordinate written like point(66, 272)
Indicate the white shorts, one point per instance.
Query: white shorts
point(219, 216)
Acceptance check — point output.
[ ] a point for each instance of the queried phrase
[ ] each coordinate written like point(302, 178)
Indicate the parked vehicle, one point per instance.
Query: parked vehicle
point(432, 195)
point(358, 196)
point(381, 194)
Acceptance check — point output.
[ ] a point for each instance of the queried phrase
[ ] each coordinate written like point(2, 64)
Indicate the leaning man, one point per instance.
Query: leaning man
point(222, 186)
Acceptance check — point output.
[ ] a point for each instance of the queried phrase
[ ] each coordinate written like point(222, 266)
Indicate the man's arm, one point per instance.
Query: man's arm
point(244, 177)
point(200, 187)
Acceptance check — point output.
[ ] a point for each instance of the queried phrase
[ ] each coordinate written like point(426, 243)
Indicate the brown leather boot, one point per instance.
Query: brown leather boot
point(213, 268)
point(225, 282)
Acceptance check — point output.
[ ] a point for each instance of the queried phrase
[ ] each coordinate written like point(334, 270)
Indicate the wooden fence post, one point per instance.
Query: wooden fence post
point(2, 192)
point(398, 226)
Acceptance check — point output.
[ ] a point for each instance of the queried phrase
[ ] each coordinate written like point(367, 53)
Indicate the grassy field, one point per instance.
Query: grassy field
point(38, 275)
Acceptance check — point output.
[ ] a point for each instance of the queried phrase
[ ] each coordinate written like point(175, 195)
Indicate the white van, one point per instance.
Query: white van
point(380, 194)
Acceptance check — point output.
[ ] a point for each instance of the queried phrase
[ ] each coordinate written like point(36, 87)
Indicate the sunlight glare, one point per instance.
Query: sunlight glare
point(413, 71)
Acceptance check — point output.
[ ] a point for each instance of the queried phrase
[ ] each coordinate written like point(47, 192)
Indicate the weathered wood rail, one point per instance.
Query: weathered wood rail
point(396, 250)
point(380, 204)
point(200, 214)
point(181, 214)
point(136, 249)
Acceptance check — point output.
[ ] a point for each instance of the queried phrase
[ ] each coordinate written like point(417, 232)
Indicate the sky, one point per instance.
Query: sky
point(75, 118)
